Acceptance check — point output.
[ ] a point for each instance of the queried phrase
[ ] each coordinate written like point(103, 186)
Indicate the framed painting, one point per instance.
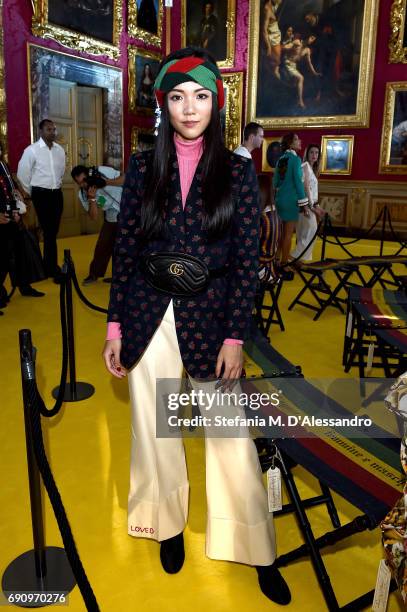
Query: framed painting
point(142, 139)
point(231, 114)
point(143, 69)
point(398, 36)
point(210, 25)
point(393, 151)
point(145, 20)
point(271, 151)
point(311, 63)
point(336, 154)
point(93, 26)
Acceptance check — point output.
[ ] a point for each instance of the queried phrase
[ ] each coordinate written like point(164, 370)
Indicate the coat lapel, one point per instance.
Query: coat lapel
point(175, 213)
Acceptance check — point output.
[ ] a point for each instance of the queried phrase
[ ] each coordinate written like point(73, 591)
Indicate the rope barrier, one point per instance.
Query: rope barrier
point(394, 235)
point(36, 403)
point(78, 290)
point(64, 369)
point(367, 232)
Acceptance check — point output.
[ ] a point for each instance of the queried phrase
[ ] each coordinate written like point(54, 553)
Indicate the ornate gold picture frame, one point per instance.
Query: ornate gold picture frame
point(309, 69)
point(85, 39)
point(138, 134)
point(336, 154)
point(398, 36)
point(231, 114)
point(270, 152)
point(143, 68)
point(393, 150)
point(214, 30)
point(144, 26)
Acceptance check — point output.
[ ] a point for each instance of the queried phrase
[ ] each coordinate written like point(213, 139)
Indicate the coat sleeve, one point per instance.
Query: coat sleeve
point(125, 249)
point(243, 258)
point(302, 199)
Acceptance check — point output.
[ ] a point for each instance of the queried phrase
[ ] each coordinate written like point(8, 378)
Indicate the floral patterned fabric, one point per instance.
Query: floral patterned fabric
point(394, 526)
point(224, 310)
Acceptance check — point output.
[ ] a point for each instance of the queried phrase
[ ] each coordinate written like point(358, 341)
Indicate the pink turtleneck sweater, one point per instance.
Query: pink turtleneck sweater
point(188, 155)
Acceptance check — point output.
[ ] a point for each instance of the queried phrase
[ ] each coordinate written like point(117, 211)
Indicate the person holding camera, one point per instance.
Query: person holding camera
point(100, 188)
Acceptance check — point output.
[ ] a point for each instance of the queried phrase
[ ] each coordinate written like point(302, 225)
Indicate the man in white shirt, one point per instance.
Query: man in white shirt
point(253, 136)
point(100, 190)
point(40, 172)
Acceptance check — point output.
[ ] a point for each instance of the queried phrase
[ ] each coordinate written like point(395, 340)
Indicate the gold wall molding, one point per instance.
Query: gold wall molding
point(233, 83)
point(398, 52)
point(143, 35)
point(392, 89)
point(229, 61)
point(356, 204)
point(42, 28)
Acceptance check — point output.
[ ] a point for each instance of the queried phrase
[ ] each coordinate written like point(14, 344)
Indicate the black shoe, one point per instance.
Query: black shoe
point(28, 291)
point(89, 280)
point(108, 279)
point(286, 274)
point(172, 554)
point(273, 585)
point(58, 279)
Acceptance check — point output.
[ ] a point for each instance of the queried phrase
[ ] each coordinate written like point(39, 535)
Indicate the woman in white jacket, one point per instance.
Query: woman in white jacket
point(307, 225)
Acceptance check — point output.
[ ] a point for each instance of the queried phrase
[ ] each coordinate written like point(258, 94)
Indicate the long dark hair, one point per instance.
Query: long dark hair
point(216, 174)
point(316, 165)
point(287, 141)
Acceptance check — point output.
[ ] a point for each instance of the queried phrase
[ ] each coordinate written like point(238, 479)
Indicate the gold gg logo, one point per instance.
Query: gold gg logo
point(176, 269)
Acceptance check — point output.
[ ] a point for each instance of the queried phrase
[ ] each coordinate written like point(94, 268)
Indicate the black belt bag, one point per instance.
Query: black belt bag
point(178, 274)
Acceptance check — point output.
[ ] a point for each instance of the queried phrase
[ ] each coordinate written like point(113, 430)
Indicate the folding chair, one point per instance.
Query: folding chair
point(366, 472)
point(270, 283)
point(272, 290)
point(375, 324)
point(316, 284)
point(379, 266)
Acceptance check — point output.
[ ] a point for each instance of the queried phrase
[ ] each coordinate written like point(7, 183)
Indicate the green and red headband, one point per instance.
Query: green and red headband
point(190, 68)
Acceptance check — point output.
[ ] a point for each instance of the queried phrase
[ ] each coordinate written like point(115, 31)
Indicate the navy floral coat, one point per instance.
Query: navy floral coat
point(224, 310)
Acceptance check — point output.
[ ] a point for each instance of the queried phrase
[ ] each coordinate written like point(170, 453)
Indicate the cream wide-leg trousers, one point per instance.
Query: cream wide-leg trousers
point(239, 526)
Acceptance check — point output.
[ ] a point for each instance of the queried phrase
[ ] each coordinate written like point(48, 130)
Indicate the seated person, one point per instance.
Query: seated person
point(270, 232)
point(100, 188)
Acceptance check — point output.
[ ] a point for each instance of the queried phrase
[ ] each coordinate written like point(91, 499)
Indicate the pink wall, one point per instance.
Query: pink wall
point(17, 32)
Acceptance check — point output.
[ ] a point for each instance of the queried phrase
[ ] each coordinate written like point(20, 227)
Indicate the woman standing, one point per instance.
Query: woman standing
point(189, 200)
point(291, 199)
point(307, 225)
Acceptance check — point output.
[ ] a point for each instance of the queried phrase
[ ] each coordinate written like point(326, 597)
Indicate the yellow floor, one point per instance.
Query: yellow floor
point(88, 445)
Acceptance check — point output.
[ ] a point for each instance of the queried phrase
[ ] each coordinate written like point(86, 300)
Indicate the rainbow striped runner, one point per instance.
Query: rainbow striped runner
point(365, 470)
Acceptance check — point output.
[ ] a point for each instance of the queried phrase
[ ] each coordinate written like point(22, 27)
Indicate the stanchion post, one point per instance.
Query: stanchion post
point(70, 326)
point(324, 236)
point(44, 569)
point(74, 391)
point(34, 478)
point(384, 222)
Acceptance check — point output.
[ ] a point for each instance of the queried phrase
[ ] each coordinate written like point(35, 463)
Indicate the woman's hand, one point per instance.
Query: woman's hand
point(111, 355)
point(231, 358)
point(4, 219)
